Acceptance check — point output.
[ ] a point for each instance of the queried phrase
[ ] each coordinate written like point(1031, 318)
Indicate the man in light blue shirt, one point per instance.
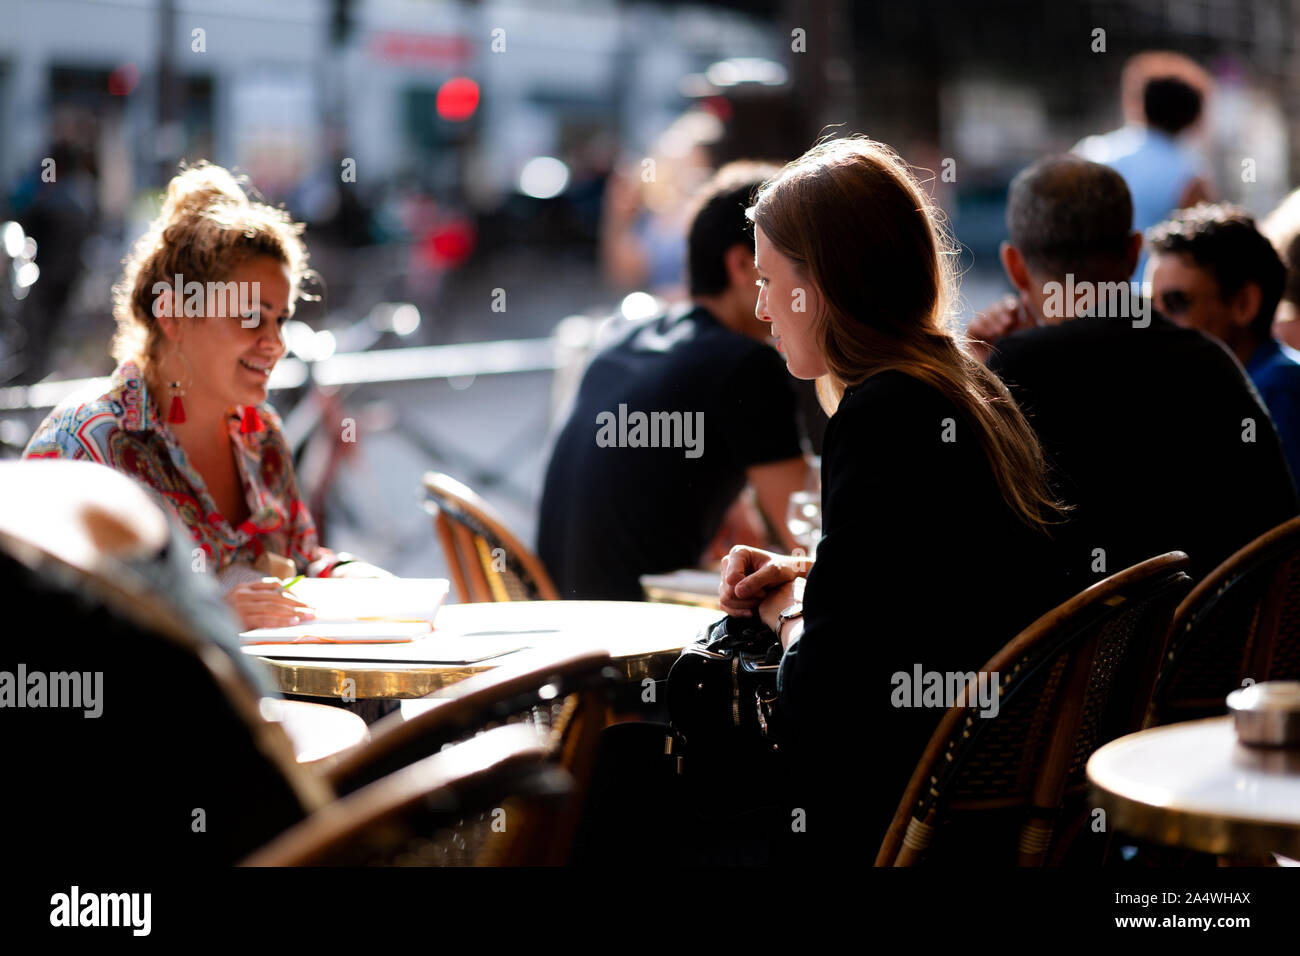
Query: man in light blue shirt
point(1163, 173)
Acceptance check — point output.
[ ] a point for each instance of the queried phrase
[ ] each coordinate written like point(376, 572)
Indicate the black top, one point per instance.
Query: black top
point(922, 563)
point(614, 507)
point(1149, 431)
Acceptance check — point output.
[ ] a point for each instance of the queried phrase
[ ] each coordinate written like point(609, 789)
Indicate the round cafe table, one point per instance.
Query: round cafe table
point(643, 638)
point(695, 586)
point(1193, 785)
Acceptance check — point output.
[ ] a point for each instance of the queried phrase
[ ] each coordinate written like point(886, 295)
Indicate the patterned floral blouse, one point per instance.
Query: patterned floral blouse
point(124, 430)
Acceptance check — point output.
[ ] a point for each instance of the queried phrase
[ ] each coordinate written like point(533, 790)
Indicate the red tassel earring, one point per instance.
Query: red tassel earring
point(251, 422)
point(176, 415)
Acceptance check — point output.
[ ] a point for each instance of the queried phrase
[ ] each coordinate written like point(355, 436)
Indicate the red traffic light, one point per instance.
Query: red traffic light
point(457, 99)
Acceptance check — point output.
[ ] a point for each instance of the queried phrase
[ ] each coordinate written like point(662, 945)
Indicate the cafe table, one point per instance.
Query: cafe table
point(695, 586)
point(642, 638)
point(1193, 785)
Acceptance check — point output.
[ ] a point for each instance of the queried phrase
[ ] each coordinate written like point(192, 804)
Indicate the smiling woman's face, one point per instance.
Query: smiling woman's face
point(790, 303)
point(232, 363)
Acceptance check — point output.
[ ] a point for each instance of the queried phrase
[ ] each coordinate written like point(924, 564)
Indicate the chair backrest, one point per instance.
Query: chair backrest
point(1242, 621)
point(487, 561)
point(180, 765)
point(184, 765)
point(473, 803)
point(565, 698)
point(993, 788)
point(535, 685)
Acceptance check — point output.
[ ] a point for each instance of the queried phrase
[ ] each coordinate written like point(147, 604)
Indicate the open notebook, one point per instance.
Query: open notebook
point(360, 611)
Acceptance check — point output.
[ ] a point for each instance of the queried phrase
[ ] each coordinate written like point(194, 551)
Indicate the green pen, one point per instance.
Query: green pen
point(293, 582)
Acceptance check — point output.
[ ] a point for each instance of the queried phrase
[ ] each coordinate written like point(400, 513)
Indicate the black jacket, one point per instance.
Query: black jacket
point(922, 563)
point(1155, 435)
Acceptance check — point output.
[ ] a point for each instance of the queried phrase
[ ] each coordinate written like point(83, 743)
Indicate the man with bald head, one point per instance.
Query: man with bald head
point(1153, 432)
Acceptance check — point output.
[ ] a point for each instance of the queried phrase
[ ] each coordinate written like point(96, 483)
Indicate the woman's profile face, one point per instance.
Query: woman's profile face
point(232, 355)
point(790, 303)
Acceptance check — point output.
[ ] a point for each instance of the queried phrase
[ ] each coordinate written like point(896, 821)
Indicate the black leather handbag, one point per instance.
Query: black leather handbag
point(722, 696)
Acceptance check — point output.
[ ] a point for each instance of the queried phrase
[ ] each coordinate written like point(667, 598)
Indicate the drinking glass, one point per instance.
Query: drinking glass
point(803, 518)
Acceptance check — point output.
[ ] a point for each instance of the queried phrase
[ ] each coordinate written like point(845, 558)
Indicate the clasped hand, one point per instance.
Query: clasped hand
point(759, 583)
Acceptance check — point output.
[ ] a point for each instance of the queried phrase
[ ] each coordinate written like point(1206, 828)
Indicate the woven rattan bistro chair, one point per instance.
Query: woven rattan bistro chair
point(565, 699)
point(1241, 622)
point(494, 774)
point(488, 563)
point(238, 766)
point(1078, 677)
point(84, 554)
point(200, 737)
point(475, 803)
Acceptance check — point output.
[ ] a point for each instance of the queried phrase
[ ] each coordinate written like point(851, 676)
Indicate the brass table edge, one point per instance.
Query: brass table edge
point(1189, 827)
point(325, 679)
point(656, 594)
point(1220, 835)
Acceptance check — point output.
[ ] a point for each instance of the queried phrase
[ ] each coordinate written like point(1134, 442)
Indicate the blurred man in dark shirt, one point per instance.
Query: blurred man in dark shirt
point(673, 419)
point(1154, 433)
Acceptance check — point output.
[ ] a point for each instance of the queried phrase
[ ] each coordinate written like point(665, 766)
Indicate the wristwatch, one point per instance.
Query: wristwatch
point(790, 613)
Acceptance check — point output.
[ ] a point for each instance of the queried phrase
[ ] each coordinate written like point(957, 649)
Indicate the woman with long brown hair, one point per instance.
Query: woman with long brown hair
point(936, 508)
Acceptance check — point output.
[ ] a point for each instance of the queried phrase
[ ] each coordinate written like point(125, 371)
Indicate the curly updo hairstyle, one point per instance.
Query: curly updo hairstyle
point(208, 226)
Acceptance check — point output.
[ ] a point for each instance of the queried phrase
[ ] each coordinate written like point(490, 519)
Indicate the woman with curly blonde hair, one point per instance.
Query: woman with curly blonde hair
point(199, 312)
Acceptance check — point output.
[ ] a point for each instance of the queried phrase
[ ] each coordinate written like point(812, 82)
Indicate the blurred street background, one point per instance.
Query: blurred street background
point(486, 183)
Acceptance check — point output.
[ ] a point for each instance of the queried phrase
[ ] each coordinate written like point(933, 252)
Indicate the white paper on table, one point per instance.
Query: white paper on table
point(343, 632)
point(346, 599)
point(430, 648)
point(360, 611)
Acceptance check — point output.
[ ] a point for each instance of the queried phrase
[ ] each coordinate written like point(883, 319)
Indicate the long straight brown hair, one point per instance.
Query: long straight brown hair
point(854, 220)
